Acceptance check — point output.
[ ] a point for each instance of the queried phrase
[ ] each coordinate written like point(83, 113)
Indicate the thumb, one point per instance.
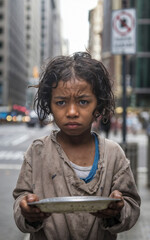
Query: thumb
point(116, 194)
point(32, 198)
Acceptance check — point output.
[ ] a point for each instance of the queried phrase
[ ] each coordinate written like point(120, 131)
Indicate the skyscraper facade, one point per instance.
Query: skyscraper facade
point(32, 28)
point(142, 61)
point(51, 41)
point(13, 72)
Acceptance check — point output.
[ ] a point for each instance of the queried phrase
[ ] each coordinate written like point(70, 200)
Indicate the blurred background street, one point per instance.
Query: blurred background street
point(116, 32)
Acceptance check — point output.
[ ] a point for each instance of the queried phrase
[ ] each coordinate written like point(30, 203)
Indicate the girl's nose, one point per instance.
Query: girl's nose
point(72, 111)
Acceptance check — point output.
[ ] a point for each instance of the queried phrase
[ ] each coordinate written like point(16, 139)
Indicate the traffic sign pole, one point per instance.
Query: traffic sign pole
point(124, 94)
point(124, 43)
point(124, 98)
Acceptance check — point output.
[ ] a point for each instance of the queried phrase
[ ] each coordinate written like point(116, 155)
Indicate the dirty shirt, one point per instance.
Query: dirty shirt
point(47, 172)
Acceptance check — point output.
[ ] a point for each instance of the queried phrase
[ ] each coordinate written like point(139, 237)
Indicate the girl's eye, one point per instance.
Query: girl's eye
point(83, 102)
point(60, 103)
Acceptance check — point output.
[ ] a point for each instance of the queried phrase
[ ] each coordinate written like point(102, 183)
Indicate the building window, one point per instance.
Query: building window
point(28, 36)
point(1, 58)
point(1, 3)
point(143, 37)
point(28, 46)
point(1, 16)
point(1, 44)
point(1, 30)
point(27, 65)
point(28, 17)
point(43, 25)
point(132, 3)
point(28, 8)
point(28, 27)
point(43, 35)
point(1, 90)
point(1, 73)
point(142, 73)
point(143, 8)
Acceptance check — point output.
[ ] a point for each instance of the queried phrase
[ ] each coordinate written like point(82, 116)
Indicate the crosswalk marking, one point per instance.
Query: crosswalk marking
point(13, 140)
point(10, 166)
point(11, 155)
point(20, 140)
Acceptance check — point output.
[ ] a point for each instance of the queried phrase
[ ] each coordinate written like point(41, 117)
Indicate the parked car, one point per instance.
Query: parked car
point(32, 120)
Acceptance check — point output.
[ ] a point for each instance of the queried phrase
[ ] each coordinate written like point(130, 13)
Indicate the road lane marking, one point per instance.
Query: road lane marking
point(20, 140)
point(10, 166)
point(11, 155)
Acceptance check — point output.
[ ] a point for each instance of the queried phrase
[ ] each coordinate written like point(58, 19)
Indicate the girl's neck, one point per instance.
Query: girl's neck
point(85, 138)
point(79, 149)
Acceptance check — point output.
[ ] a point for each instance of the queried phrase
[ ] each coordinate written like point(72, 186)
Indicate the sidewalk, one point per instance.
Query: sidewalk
point(141, 230)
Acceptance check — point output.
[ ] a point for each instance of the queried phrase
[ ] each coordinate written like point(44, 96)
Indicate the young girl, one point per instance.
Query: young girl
point(74, 161)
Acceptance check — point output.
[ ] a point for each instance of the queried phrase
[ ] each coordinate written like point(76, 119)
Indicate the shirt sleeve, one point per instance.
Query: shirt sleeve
point(24, 187)
point(124, 182)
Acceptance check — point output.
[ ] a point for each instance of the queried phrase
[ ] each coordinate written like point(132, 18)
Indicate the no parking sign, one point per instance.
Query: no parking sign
point(123, 31)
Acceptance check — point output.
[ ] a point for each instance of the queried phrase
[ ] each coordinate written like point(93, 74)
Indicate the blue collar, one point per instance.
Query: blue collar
point(95, 163)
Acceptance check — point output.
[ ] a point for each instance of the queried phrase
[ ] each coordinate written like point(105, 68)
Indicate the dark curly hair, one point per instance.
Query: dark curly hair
point(80, 65)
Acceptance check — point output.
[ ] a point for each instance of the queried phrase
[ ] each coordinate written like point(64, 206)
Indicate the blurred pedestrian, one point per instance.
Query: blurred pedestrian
point(114, 125)
point(74, 161)
point(105, 127)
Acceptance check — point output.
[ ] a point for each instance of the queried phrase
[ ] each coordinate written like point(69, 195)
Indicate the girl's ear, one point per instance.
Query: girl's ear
point(97, 115)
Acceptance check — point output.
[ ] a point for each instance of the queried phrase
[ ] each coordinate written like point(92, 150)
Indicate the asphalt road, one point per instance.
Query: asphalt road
point(8, 229)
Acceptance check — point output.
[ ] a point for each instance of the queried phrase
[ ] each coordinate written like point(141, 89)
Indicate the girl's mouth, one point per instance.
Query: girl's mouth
point(73, 125)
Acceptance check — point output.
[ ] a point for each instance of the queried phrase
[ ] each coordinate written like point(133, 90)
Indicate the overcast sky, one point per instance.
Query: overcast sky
point(75, 27)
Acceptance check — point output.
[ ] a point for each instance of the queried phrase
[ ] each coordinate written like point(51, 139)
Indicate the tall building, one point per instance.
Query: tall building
point(29, 34)
point(32, 29)
point(95, 30)
point(43, 38)
point(141, 62)
point(13, 74)
point(106, 35)
point(56, 30)
point(47, 7)
point(51, 43)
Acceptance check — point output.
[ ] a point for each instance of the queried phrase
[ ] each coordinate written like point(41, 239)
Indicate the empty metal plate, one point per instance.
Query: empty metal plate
point(73, 204)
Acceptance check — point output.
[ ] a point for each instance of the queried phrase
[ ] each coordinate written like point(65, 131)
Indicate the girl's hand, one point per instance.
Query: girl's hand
point(32, 213)
point(114, 208)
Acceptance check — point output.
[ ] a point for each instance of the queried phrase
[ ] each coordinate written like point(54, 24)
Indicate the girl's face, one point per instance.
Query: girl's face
point(72, 105)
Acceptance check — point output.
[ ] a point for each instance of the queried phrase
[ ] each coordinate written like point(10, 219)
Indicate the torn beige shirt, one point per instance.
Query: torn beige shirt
point(47, 172)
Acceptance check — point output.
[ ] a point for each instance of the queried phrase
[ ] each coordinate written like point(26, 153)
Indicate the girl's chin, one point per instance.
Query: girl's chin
point(75, 132)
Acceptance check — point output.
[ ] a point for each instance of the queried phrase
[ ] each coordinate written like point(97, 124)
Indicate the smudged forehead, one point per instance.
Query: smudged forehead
point(73, 88)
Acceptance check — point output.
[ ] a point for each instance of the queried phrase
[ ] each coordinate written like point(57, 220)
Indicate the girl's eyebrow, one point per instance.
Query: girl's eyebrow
point(81, 96)
point(84, 96)
point(60, 97)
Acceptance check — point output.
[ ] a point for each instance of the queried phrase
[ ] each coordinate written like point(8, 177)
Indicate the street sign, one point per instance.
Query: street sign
point(123, 31)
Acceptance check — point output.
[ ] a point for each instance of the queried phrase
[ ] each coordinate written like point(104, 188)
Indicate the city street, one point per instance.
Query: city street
point(16, 139)
point(104, 47)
